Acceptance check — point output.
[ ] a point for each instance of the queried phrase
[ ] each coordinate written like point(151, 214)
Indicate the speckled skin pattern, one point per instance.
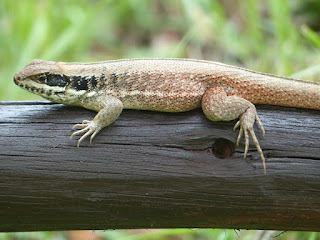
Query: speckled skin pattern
point(171, 85)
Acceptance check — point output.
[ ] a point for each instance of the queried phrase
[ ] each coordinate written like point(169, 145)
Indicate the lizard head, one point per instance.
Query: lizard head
point(46, 78)
point(41, 78)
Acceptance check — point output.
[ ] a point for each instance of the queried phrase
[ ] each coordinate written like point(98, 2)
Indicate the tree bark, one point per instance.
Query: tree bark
point(156, 170)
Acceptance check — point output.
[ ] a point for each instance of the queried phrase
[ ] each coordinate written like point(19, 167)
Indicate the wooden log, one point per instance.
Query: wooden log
point(156, 170)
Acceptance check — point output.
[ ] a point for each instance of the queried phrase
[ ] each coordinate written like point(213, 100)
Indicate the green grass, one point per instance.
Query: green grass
point(270, 36)
point(177, 234)
point(97, 30)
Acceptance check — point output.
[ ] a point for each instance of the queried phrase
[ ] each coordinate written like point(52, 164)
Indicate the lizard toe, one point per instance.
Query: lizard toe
point(88, 128)
point(245, 123)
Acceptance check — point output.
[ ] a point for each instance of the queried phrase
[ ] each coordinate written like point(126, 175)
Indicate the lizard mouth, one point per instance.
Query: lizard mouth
point(44, 84)
point(29, 85)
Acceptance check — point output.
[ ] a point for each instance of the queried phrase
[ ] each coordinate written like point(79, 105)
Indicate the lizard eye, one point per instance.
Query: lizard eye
point(42, 78)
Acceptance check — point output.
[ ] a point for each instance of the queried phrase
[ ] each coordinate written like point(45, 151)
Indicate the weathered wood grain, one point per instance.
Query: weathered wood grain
point(156, 170)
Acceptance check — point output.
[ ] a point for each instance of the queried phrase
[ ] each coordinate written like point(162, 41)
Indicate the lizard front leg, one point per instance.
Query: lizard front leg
point(217, 106)
point(108, 107)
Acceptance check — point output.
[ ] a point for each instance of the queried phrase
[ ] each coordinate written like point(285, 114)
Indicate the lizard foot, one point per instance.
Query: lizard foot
point(88, 128)
point(246, 121)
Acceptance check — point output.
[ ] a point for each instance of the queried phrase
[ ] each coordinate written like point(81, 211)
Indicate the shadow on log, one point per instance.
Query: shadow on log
point(156, 170)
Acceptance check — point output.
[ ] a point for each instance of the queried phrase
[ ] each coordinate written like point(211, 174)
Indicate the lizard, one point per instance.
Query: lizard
point(224, 92)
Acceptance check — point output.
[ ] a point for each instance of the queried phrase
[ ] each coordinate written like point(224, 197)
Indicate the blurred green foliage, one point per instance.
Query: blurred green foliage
point(278, 37)
point(169, 234)
point(261, 35)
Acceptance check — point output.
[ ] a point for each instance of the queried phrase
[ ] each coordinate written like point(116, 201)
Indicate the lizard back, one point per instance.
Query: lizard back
point(165, 84)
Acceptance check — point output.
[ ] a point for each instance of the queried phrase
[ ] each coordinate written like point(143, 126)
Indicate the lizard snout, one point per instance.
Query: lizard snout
point(17, 79)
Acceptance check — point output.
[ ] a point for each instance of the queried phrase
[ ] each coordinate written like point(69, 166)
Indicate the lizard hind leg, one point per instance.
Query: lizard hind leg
point(218, 106)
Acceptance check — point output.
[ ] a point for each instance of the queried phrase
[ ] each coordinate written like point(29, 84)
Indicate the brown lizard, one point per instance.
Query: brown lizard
point(223, 91)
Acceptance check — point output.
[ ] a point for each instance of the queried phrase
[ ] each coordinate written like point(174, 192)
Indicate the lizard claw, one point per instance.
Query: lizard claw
point(246, 121)
point(88, 128)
